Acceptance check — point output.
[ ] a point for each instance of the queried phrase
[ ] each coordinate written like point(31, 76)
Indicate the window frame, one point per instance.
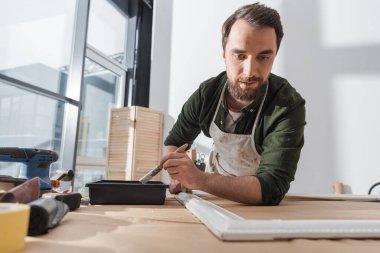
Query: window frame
point(133, 10)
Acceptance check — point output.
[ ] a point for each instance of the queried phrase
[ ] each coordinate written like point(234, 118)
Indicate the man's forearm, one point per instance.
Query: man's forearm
point(244, 189)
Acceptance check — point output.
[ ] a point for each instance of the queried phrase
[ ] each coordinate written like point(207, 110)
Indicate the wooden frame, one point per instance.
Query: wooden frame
point(228, 226)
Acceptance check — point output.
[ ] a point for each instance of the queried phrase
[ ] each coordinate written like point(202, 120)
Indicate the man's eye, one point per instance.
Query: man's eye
point(262, 58)
point(240, 57)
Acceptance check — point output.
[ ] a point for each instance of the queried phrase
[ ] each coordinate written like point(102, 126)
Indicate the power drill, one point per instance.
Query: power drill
point(36, 162)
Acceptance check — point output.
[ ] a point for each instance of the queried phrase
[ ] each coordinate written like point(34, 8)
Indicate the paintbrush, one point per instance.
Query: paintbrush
point(155, 171)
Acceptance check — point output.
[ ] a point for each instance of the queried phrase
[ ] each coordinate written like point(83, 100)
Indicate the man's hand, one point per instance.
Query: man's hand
point(176, 187)
point(183, 172)
point(186, 177)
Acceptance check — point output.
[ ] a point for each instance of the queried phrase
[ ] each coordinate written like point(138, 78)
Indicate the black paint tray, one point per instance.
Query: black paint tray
point(119, 192)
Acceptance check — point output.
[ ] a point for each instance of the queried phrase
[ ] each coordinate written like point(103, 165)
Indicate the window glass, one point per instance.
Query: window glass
point(107, 29)
point(99, 91)
point(28, 120)
point(36, 40)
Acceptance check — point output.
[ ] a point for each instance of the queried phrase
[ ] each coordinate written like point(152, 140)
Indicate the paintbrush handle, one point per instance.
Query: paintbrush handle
point(182, 148)
point(156, 170)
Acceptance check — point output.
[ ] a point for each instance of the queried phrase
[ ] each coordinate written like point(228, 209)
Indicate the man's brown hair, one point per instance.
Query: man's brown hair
point(258, 15)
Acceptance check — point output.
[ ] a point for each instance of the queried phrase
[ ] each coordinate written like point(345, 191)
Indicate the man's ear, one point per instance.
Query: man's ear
point(224, 56)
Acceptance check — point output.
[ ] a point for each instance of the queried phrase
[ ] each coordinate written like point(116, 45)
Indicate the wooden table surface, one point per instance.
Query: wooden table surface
point(172, 228)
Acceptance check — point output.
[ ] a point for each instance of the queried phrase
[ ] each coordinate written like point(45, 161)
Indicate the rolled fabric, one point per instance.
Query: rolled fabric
point(7, 197)
point(45, 214)
point(23, 193)
point(72, 199)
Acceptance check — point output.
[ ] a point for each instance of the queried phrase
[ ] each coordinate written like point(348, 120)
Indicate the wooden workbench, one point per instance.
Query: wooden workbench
point(172, 228)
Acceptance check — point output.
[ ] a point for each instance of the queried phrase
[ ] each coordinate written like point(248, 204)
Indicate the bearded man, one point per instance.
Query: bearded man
point(255, 118)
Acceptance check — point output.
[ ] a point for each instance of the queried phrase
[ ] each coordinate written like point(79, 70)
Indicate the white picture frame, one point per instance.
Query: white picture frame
point(228, 226)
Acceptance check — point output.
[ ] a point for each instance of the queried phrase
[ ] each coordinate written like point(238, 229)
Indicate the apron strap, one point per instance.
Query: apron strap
point(220, 101)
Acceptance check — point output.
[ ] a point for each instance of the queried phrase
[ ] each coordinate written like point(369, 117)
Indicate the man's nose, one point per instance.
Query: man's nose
point(250, 68)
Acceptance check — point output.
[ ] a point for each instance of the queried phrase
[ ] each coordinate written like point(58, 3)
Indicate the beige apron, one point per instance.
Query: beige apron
point(233, 154)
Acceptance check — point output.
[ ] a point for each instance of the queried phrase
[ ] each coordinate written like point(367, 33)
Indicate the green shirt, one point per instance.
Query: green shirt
point(278, 137)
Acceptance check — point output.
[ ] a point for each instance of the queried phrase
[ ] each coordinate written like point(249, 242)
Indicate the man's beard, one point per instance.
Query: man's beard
point(245, 94)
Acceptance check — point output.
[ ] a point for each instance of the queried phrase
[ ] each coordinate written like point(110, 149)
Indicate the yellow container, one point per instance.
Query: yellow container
point(14, 221)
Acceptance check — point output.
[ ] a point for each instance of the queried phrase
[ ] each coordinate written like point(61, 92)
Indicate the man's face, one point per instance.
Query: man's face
point(249, 54)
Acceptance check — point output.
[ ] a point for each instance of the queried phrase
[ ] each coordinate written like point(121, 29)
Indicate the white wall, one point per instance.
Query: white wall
point(330, 54)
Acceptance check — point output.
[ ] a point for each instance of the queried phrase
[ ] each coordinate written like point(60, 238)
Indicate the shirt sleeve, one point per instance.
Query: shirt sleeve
point(281, 150)
point(187, 126)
